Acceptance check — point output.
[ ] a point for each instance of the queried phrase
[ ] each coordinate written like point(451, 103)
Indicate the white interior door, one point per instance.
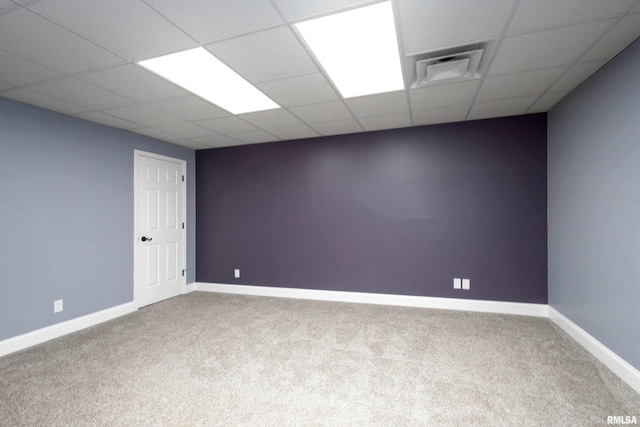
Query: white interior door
point(160, 228)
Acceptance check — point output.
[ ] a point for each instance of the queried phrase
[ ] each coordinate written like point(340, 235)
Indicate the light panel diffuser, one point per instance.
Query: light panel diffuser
point(358, 49)
point(201, 73)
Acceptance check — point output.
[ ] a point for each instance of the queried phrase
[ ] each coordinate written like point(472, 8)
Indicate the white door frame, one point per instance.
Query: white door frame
point(137, 154)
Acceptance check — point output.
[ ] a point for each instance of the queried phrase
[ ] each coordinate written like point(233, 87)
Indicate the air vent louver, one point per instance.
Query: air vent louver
point(449, 65)
point(460, 66)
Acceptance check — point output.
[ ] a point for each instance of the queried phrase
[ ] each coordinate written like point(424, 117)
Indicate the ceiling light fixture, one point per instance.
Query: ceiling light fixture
point(201, 73)
point(358, 49)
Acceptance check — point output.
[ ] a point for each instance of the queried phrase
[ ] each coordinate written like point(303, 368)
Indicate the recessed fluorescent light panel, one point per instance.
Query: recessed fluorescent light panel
point(200, 72)
point(358, 49)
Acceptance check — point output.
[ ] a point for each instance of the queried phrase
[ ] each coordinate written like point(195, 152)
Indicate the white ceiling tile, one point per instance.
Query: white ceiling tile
point(271, 119)
point(115, 24)
point(231, 144)
point(190, 108)
point(185, 130)
point(105, 119)
point(298, 9)
point(337, 128)
point(227, 125)
point(254, 137)
point(534, 14)
point(7, 6)
point(252, 38)
point(547, 102)
point(319, 113)
point(155, 133)
point(186, 143)
point(80, 93)
point(134, 83)
point(27, 34)
point(517, 85)
point(378, 105)
point(625, 32)
point(443, 95)
point(44, 101)
point(18, 71)
point(142, 115)
point(501, 108)
point(294, 132)
point(432, 24)
point(440, 115)
point(576, 75)
point(190, 144)
point(390, 121)
point(211, 20)
point(216, 141)
point(266, 55)
point(542, 49)
point(300, 90)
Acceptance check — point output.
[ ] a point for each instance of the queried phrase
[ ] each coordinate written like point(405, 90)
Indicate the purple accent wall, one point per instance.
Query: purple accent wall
point(402, 211)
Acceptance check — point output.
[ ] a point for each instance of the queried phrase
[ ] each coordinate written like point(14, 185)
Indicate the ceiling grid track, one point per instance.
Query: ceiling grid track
point(81, 59)
point(594, 43)
point(514, 9)
point(76, 33)
point(403, 56)
point(313, 58)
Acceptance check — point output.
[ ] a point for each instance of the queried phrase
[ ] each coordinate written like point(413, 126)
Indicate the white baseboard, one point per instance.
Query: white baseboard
point(618, 366)
point(39, 336)
point(611, 360)
point(523, 309)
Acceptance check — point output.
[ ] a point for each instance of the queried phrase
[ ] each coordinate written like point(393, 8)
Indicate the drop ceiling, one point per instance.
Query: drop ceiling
point(78, 57)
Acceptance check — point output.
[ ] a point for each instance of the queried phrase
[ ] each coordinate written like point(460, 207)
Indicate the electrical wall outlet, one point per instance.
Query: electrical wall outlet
point(236, 273)
point(466, 284)
point(457, 283)
point(57, 306)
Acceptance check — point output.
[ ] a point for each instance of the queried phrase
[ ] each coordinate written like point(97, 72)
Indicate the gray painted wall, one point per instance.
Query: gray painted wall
point(66, 209)
point(594, 206)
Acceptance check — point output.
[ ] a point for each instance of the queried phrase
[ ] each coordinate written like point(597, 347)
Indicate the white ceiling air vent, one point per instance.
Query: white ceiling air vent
point(448, 67)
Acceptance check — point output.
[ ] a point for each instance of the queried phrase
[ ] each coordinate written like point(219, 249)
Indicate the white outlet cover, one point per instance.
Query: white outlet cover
point(457, 283)
point(236, 273)
point(57, 306)
point(466, 284)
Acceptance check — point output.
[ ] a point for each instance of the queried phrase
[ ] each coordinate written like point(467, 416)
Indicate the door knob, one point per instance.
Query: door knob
point(144, 239)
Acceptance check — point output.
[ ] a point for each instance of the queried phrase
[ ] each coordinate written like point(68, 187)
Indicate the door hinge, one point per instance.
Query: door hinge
point(183, 271)
point(182, 178)
point(183, 225)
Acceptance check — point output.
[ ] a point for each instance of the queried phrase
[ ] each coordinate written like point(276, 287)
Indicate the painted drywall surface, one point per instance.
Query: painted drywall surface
point(67, 215)
point(594, 206)
point(398, 212)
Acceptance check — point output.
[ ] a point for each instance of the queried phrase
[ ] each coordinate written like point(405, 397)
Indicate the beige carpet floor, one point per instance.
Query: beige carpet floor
point(211, 359)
